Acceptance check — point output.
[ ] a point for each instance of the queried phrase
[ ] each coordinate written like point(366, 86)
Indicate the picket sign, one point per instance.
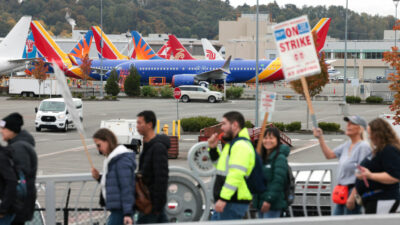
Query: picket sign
point(298, 55)
point(267, 105)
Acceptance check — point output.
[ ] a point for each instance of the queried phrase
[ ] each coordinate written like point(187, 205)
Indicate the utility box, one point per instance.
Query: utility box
point(125, 131)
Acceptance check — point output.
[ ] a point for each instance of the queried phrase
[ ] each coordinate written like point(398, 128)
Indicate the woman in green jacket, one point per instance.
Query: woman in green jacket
point(273, 153)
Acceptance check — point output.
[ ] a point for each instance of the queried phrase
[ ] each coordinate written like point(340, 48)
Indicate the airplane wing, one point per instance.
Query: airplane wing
point(217, 74)
point(22, 60)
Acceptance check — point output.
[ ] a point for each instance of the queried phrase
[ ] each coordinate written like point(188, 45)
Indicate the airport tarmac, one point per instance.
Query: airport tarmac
point(61, 153)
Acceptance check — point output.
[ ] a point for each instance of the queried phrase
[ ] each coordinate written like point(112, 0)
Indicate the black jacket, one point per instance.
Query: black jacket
point(153, 164)
point(8, 182)
point(25, 158)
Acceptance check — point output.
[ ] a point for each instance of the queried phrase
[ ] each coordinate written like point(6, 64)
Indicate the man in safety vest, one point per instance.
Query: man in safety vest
point(231, 194)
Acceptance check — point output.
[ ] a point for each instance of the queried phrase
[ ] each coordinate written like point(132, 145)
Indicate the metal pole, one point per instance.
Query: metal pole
point(345, 58)
point(101, 47)
point(177, 110)
point(256, 120)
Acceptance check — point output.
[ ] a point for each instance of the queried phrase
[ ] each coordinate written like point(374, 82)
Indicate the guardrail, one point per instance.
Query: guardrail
point(73, 198)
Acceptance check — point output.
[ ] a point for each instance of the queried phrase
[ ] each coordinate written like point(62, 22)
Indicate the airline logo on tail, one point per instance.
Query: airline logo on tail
point(83, 47)
point(210, 54)
point(178, 50)
point(109, 49)
point(142, 51)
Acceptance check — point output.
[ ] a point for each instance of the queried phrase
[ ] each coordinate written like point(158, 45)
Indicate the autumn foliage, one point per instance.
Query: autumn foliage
point(86, 67)
point(39, 72)
point(316, 82)
point(393, 59)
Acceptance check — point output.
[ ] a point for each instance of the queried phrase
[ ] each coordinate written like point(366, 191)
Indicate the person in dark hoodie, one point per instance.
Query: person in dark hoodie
point(118, 178)
point(153, 165)
point(8, 183)
point(273, 154)
point(22, 144)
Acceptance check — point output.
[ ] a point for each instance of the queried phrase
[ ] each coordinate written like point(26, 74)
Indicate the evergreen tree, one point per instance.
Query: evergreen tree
point(132, 83)
point(112, 87)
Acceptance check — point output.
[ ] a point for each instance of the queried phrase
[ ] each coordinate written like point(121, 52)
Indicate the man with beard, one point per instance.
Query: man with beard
point(233, 164)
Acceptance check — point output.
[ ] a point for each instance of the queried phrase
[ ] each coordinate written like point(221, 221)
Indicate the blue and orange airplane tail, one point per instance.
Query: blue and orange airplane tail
point(142, 50)
point(109, 49)
point(82, 48)
point(178, 50)
point(52, 52)
point(274, 71)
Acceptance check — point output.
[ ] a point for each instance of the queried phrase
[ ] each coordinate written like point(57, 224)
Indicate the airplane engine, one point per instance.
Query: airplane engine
point(183, 79)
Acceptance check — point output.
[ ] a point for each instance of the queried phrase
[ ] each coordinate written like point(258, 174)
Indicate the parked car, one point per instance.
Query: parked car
point(193, 92)
point(53, 114)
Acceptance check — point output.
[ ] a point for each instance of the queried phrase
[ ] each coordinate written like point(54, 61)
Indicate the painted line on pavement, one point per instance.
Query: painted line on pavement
point(304, 148)
point(76, 149)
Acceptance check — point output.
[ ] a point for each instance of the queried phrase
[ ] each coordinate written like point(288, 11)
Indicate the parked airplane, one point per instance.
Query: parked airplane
point(165, 51)
point(180, 72)
point(210, 52)
point(12, 47)
point(109, 49)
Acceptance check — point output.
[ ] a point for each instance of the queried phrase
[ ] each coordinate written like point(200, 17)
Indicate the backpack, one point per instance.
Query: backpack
point(255, 181)
point(290, 184)
point(22, 190)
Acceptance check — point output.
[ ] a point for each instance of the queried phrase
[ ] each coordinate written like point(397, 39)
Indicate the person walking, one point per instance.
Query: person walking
point(350, 154)
point(8, 185)
point(118, 178)
point(233, 164)
point(380, 193)
point(153, 165)
point(22, 144)
point(273, 154)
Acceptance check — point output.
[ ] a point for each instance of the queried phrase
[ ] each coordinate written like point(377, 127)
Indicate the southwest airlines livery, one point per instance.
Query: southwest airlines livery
point(177, 72)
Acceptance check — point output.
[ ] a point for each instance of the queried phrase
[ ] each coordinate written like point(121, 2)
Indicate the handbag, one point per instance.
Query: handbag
point(142, 195)
point(340, 194)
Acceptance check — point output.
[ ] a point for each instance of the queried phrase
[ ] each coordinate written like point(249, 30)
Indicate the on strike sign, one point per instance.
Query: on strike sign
point(296, 48)
point(267, 103)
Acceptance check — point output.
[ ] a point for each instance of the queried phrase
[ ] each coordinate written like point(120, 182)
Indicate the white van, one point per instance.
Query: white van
point(125, 131)
point(53, 114)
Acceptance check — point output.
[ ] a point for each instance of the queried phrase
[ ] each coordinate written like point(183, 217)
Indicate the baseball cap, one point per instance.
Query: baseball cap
point(358, 120)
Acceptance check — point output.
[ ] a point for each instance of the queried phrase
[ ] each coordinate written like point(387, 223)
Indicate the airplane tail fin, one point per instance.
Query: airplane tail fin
point(209, 51)
point(12, 44)
point(322, 28)
point(165, 51)
point(82, 48)
point(109, 49)
point(178, 50)
point(142, 51)
point(48, 47)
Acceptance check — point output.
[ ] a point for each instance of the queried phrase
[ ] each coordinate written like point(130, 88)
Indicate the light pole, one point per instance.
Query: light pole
point(396, 3)
point(345, 61)
point(101, 47)
point(256, 120)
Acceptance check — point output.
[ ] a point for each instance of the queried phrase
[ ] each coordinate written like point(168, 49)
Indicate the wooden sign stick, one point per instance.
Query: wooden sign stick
point(261, 136)
point(308, 99)
point(86, 150)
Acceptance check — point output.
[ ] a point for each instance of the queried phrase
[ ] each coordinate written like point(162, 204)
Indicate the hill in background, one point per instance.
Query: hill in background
point(184, 18)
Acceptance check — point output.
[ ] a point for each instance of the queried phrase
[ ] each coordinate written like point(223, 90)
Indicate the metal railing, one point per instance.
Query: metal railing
point(73, 198)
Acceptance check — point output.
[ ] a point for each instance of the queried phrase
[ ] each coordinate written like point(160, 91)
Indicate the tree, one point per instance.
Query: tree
point(39, 72)
point(316, 82)
point(132, 83)
point(393, 58)
point(112, 87)
point(86, 69)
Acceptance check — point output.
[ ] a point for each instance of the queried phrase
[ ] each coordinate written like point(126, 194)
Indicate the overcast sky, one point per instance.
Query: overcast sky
point(372, 7)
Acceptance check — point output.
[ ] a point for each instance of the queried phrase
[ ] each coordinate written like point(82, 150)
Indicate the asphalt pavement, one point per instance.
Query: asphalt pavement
point(61, 153)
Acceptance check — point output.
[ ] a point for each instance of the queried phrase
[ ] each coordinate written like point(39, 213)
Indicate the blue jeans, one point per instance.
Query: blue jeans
point(116, 217)
point(343, 210)
point(270, 214)
point(7, 219)
point(232, 211)
point(152, 218)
